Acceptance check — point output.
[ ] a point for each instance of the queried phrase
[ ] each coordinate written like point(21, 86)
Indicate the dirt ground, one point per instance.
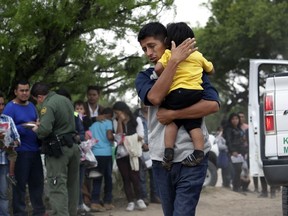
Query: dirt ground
point(215, 201)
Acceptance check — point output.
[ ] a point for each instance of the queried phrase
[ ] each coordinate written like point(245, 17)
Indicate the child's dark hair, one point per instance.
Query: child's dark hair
point(107, 111)
point(178, 32)
point(79, 103)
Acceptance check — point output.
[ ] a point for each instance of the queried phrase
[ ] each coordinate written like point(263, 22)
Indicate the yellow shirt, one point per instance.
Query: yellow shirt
point(189, 72)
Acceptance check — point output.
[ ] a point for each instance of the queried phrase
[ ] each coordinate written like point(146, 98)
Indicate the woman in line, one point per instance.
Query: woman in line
point(234, 137)
point(127, 125)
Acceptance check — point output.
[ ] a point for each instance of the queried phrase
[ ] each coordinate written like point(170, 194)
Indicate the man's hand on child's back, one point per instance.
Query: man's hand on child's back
point(165, 116)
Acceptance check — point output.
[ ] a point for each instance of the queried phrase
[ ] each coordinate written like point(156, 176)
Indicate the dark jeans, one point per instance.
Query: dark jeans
point(227, 175)
point(236, 182)
point(28, 170)
point(180, 188)
point(129, 177)
point(143, 179)
point(105, 168)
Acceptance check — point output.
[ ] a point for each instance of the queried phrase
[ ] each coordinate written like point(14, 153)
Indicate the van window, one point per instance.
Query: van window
point(263, 71)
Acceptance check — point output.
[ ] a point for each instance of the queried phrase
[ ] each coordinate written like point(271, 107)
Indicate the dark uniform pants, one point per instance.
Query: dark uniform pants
point(63, 181)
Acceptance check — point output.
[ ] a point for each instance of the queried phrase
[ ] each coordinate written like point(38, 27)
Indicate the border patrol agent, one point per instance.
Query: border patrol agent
point(56, 130)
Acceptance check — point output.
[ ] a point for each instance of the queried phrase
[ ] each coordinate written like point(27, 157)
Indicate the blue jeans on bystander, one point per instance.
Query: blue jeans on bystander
point(4, 202)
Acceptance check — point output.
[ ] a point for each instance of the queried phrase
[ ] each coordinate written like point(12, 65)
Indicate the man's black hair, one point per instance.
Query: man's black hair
point(40, 88)
point(93, 87)
point(152, 29)
point(178, 32)
point(22, 82)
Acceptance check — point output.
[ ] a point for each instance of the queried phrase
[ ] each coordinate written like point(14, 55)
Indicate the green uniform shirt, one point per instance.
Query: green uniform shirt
point(56, 115)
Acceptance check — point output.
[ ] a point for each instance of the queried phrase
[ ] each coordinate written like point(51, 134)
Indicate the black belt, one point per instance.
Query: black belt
point(67, 140)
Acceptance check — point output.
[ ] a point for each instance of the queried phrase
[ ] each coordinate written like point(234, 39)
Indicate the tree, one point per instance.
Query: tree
point(237, 31)
point(71, 43)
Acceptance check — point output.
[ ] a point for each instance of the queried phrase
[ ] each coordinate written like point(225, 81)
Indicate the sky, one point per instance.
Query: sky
point(193, 13)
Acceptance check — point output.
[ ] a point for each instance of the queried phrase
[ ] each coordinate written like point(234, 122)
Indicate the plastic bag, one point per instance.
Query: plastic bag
point(237, 159)
point(5, 129)
point(87, 156)
point(146, 159)
point(90, 157)
point(121, 151)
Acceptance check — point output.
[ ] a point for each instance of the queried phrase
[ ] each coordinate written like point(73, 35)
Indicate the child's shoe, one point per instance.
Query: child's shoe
point(168, 158)
point(194, 159)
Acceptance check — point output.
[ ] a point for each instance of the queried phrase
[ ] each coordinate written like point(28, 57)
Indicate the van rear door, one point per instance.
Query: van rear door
point(259, 69)
point(276, 115)
point(275, 161)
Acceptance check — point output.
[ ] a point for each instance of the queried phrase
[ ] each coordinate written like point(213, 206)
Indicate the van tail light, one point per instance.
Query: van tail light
point(269, 123)
point(269, 113)
point(268, 103)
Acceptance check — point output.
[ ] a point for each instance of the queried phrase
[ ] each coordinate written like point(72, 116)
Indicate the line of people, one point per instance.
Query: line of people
point(70, 189)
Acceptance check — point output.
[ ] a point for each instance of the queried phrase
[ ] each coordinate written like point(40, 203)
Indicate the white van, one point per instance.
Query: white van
point(268, 123)
point(258, 73)
point(275, 163)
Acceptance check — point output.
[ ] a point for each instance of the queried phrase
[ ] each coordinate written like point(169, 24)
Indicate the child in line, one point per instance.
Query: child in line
point(9, 139)
point(185, 90)
point(79, 108)
point(103, 132)
point(85, 183)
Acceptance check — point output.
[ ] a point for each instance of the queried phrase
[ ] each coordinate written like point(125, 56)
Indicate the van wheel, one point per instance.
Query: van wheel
point(211, 175)
point(285, 200)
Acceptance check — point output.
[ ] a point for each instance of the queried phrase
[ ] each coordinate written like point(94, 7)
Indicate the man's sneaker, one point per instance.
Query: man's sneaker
point(96, 207)
point(141, 205)
point(12, 180)
point(130, 206)
point(109, 206)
